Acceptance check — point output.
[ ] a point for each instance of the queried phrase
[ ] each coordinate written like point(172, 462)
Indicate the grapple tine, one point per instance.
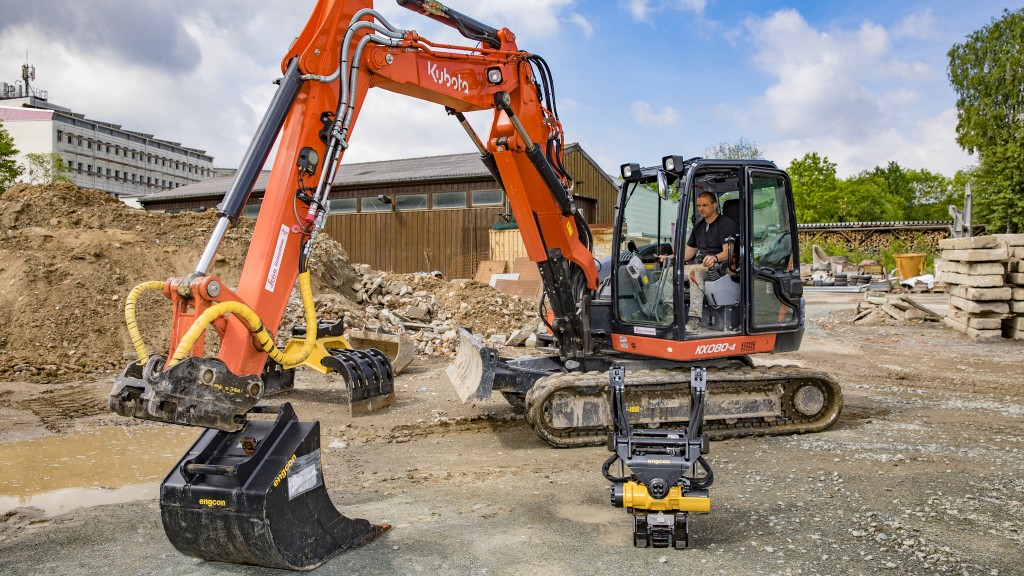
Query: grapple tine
point(371, 383)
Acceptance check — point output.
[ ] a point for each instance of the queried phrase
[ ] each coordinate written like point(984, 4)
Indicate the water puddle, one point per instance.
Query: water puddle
point(105, 466)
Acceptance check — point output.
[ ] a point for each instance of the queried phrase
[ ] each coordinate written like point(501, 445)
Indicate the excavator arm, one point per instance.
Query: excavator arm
point(345, 50)
point(251, 490)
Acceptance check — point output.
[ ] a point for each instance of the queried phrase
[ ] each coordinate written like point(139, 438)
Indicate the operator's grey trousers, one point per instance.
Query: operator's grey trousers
point(695, 272)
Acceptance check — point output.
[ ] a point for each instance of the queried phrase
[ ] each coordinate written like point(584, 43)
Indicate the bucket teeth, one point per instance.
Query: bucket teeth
point(369, 377)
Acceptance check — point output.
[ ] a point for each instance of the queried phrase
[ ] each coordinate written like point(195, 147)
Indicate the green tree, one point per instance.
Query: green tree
point(987, 73)
point(866, 198)
point(932, 195)
point(815, 188)
point(47, 168)
point(9, 167)
point(742, 149)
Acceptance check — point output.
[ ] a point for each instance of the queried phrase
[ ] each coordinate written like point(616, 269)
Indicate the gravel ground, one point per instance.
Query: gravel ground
point(921, 475)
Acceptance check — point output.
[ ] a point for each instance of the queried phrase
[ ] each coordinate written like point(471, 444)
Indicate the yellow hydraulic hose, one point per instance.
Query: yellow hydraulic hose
point(264, 338)
point(129, 317)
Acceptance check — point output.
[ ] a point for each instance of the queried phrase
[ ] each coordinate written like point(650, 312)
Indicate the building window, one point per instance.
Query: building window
point(449, 200)
point(343, 205)
point(89, 144)
point(372, 204)
point(251, 211)
point(488, 197)
point(411, 202)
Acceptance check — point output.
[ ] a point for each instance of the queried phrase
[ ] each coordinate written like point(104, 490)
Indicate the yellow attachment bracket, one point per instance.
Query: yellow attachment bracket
point(634, 495)
point(319, 352)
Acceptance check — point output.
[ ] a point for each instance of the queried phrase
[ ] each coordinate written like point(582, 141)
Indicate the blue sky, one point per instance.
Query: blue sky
point(862, 83)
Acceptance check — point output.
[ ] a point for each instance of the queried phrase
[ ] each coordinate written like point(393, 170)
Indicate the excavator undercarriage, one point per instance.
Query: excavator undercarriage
point(571, 409)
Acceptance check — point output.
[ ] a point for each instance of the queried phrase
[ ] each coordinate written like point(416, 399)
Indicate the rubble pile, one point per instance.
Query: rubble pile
point(888, 309)
point(428, 309)
point(975, 270)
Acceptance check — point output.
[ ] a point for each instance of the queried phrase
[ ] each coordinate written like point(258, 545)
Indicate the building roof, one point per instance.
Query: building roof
point(431, 168)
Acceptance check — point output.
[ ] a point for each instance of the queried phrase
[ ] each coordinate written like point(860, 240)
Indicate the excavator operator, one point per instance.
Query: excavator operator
point(706, 247)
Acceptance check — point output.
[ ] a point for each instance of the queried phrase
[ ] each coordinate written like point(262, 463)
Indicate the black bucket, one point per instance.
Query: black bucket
point(257, 496)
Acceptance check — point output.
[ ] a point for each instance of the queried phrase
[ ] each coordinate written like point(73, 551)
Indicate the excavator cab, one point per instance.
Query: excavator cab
point(754, 287)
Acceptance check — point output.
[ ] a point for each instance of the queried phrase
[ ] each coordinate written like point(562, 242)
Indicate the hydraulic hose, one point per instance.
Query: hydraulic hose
point(129, 317)
point(263, 337)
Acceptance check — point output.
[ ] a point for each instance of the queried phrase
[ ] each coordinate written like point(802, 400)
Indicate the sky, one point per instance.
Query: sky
point(861, 83)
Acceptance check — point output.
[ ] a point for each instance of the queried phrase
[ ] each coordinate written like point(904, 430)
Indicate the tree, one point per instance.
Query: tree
point(815, 189)
point(742, 149)
point(46, 168)
point(987, 73)
point(9, 168)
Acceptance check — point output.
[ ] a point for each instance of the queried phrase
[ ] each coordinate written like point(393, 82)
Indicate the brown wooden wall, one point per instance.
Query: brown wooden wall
point(452, 241)
point(592, 184)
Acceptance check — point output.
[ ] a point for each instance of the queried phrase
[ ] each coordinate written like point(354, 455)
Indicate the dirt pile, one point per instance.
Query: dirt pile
point(69, 256)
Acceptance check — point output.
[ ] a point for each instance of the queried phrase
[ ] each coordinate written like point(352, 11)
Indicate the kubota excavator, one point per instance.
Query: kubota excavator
point(250, 490)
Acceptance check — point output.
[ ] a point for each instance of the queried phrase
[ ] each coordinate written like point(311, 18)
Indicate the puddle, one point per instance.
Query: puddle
point(106, 466)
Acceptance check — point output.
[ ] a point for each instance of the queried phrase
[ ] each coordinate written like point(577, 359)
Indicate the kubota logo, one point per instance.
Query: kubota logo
point(442, 77)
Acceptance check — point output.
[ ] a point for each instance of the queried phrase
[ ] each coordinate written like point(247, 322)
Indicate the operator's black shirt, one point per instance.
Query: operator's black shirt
point(709, 238)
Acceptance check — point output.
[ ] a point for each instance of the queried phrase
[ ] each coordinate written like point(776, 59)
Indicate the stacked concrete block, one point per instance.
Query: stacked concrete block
point(1013, 326)
point(975, 272)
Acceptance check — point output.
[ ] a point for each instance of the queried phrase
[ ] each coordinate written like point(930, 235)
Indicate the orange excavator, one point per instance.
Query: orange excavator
point(251, 490)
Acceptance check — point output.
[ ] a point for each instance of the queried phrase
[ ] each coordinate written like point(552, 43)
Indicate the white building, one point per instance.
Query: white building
point(99, 155)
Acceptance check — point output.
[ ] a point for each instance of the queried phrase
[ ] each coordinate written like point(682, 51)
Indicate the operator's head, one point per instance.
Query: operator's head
point(707, 204)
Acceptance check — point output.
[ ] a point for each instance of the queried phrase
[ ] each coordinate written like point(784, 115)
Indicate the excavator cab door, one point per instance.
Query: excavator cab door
point(775, 287)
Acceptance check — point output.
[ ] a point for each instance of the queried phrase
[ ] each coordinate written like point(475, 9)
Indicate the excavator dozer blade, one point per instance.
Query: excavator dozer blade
point(257, 496)
point(472, 372)
point(368, 375)
point(399, 349)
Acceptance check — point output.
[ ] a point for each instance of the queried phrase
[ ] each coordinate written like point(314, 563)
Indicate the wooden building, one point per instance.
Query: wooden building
point(416, 214)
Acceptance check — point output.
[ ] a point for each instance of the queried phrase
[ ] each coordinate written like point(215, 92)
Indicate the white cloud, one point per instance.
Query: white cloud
point(845, 94)
point(641, 10)
point(527, 18)
point(584, 24)
point(638, 9)
point(929, 144)
point(916, 25)
point(645, 115)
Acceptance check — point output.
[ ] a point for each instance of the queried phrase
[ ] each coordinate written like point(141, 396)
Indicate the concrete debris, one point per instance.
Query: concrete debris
point(882, 308)
point(427, 309)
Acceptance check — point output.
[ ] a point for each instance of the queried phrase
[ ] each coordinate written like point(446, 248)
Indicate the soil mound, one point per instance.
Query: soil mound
point(69, 256)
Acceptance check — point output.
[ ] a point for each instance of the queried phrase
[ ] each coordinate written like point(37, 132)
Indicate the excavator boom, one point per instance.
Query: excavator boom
point(257, 486)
